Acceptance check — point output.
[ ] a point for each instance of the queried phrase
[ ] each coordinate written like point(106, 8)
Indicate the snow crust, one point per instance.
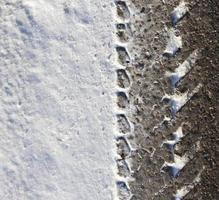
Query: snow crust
point(57, 84)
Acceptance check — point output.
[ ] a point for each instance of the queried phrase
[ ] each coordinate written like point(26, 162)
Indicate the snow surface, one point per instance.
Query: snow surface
point(56, 105)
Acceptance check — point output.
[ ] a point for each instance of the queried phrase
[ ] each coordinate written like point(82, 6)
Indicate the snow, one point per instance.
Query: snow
point(178, 100)
point(179, 12)
point(174, 43)
point(183, 68)
point(182, 192)
point(178, 164)
point(57, 99)
point(178, 135)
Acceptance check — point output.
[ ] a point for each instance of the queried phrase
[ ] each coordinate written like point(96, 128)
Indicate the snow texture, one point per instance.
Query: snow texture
point(179, 12)
point(174, 43)
point(176, 166)
point(178, 135)
point(178, 100)
point(57, 84)
point(182, 192)
point(183, 68)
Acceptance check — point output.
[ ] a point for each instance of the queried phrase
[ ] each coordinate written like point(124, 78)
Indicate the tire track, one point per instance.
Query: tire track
point(177, 101)
point(125, 127)
point(159, 167)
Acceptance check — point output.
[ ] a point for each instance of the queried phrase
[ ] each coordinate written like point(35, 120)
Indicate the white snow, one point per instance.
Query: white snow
point(179, 12)
point(178, 135)
point(182, 192)
point(178, 100)
point(178, 164)
point(183, 68)
point(174, 43)
point(57, 84)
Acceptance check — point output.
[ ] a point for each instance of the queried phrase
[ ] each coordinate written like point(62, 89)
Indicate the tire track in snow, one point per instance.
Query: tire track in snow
point(158, 155)
point(177, 101)
point(125, 127)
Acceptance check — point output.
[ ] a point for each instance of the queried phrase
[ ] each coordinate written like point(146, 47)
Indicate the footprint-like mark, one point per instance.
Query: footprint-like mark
point(122, 100)
point(122, 10)
point(179, 12)
point(183, 69)
point(176, 138)
point(178, 100)
point(123, 190)
point(183, 191)
point(123, 56)
point(174, 43)
point(123, 168)
point(123, 79)
point(123, 147)
point(124, 32)
point(123, 124)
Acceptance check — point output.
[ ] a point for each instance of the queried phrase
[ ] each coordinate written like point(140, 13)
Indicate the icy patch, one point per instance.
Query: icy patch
point(177, 101)
point(183, 69)
point(174, 43)
point(179, 12)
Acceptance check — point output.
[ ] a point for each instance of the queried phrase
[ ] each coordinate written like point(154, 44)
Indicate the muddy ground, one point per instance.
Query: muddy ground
point(199, 117)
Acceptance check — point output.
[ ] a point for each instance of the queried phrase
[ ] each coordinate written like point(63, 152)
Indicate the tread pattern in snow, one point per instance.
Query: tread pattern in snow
point(124, 148)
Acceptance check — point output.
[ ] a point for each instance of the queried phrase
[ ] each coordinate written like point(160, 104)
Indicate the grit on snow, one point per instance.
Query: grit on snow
point(57, 82)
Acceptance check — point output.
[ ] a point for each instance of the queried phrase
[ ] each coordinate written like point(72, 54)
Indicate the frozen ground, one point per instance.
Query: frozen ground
point(57, 84)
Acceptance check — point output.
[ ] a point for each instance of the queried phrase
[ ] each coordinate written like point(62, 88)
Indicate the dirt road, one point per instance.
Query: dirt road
point(172, 52)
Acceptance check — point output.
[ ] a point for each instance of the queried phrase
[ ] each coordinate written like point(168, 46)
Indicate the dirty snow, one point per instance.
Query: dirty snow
point(179, 12)
point(178, 100)
point(177, 136)
point(178, 164)
point(182, 192)
point(56, 100)
point(183, 68)
point(174, 43)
